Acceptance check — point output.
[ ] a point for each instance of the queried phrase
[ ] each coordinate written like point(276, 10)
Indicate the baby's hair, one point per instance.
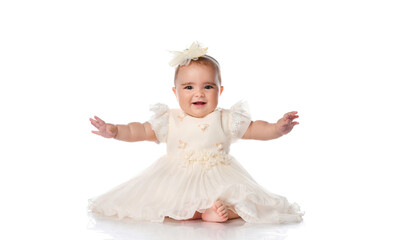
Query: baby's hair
point(205, 60)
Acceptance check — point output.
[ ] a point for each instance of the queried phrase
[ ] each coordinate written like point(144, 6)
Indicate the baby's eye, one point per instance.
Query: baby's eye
point(208, 87)
point(188, 87)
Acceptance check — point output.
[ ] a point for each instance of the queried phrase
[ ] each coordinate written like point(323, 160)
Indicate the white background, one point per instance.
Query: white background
point(339, 63)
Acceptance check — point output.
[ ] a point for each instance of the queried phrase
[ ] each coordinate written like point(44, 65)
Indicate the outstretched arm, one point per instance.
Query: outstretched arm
point(261, 130)
point(131, 132)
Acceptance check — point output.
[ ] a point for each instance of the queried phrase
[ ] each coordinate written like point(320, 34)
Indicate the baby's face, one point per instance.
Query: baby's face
point(197, 89)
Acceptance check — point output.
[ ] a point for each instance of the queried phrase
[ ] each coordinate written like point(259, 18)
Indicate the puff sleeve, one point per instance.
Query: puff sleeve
point(159, 121)
point(239, 120)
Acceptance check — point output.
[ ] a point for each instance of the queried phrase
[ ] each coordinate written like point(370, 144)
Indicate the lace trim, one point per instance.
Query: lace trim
point(240, 117)
point(159, 121)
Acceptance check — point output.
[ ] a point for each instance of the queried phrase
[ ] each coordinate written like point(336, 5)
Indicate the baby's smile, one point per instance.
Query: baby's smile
point(199, 103)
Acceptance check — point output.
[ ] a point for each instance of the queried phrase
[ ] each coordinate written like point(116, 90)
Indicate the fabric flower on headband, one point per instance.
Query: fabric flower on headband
point(184, 58)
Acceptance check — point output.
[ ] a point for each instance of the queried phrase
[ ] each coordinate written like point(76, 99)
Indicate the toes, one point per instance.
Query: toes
point(218, 204)
point(220, 209)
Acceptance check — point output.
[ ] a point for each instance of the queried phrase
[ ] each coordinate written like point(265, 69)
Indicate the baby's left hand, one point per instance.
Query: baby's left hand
point(286, 124)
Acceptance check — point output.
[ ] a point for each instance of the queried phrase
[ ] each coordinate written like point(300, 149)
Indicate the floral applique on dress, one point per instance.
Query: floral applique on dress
point(203, 126)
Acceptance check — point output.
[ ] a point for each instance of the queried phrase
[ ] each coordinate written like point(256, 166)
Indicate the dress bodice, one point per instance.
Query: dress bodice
point(187, 133)
point(203, 140)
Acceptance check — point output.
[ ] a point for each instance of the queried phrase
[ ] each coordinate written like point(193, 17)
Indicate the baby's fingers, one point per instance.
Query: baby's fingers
point(99, 120)
point(95, 123)
point(293, 117)
point(290, 115)
point(96, 132)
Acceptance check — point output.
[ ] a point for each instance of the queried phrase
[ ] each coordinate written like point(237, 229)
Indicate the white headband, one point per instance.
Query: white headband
point(192, 53)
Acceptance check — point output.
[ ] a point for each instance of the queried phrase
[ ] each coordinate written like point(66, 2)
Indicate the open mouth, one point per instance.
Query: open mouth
point(199, 103)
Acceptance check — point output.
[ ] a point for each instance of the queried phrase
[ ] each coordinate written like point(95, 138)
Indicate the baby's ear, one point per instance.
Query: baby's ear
point(174, 91)
point(221, 90)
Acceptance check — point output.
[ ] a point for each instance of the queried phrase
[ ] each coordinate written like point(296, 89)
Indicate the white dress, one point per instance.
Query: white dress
point(196, 171)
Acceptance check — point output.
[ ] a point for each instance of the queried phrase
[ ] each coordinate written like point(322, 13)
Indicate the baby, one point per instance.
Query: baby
point(197, 178)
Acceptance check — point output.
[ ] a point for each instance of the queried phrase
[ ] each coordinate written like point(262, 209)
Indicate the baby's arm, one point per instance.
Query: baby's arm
point(261, 130)
point(131, 132)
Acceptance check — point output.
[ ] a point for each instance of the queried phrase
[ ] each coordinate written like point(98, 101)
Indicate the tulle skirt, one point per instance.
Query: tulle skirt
point(165, 189)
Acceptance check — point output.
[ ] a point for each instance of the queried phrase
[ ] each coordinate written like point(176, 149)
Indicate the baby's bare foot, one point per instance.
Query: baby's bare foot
point(217, 213)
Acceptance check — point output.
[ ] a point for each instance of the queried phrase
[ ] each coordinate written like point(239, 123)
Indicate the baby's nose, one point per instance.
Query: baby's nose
point(200, 93)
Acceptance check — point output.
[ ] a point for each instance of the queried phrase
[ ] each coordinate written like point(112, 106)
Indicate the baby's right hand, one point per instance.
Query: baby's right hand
point(104, 129)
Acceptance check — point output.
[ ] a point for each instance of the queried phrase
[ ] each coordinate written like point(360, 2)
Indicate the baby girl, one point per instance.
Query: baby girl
point(197, 178)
